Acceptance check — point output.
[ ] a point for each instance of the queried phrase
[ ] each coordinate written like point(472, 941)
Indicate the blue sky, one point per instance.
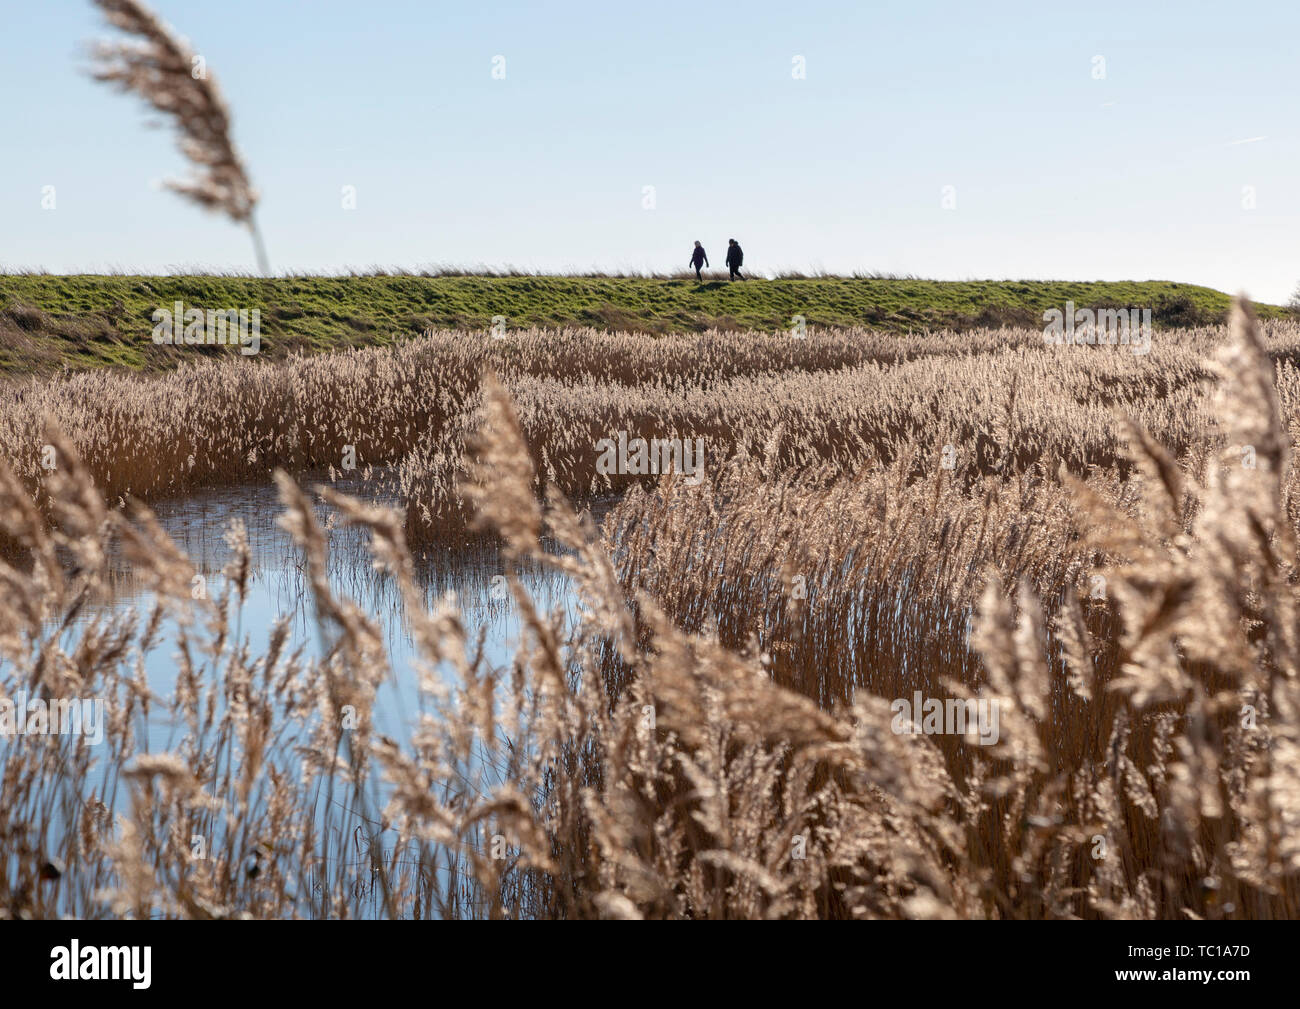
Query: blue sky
point(1057, 174)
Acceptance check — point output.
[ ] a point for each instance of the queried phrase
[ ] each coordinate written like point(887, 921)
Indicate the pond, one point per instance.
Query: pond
point(278, 588)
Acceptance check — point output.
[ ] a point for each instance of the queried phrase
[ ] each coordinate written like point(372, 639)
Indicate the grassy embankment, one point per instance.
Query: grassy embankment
point(84, 321)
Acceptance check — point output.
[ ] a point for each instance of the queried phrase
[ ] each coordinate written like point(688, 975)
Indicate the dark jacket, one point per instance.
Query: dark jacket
point(735, 256)
point(698, 256)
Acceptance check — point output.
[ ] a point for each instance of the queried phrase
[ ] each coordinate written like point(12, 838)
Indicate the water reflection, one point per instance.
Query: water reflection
point(278, 587)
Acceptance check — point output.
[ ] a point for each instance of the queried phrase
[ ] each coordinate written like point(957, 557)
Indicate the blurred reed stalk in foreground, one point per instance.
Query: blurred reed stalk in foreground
point(162, 69)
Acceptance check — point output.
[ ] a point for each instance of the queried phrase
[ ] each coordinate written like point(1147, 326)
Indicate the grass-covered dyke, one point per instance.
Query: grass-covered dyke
point(48, 322)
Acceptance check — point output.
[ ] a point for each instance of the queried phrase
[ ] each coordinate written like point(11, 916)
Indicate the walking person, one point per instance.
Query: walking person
point(735, 256)
point(698, 256)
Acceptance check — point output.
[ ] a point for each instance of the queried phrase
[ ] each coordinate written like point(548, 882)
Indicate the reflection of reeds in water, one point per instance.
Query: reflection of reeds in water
point(1126, 781)
point(200, 523)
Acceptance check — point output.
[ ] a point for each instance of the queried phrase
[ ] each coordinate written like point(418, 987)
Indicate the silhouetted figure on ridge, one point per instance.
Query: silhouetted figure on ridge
point(735, 256)
point(698, 257)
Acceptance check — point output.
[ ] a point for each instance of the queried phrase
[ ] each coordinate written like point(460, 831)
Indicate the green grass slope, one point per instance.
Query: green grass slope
point(85, 321)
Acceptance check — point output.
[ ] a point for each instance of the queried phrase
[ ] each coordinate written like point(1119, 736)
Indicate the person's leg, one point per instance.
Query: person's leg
point(698, 279)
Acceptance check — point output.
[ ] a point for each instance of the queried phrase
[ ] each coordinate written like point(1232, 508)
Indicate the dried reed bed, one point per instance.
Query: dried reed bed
point(1128, 780)
point(853, 400)
point(216, 422)
point(863, 582)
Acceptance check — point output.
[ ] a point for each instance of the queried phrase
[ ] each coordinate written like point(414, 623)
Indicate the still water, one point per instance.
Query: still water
point(278, 588)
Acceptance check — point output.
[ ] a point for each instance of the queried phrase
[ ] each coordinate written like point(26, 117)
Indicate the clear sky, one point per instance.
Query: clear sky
point(1056, 172)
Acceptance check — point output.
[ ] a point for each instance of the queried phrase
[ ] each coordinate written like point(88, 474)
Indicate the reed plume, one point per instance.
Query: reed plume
point(161, 68)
